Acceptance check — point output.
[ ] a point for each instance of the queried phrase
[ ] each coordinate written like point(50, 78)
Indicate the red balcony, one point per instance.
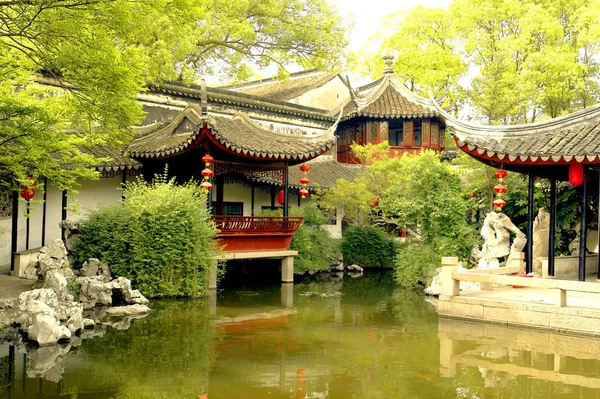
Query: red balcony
point(256, 233)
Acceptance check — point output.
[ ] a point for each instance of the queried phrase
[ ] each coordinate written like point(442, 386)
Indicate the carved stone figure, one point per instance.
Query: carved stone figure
point(496, 231)
point(541, 228)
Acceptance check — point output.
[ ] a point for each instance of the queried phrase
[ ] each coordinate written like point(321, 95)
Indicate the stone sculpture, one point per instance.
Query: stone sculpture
point(496, 231)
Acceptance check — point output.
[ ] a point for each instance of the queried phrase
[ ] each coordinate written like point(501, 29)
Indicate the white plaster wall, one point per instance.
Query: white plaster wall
point(91, 194)
point(331, 96)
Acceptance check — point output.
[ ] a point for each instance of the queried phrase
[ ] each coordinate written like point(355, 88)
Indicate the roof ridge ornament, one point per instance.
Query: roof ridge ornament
point(203, 100)
point(388, 59)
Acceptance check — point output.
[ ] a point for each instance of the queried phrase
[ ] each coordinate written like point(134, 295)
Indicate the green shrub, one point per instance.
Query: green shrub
point(315, 247)
point(415, 264)
point(159, 237)
point(368, 247)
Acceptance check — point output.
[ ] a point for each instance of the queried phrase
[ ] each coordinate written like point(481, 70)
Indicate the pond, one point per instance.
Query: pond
point(357, 338)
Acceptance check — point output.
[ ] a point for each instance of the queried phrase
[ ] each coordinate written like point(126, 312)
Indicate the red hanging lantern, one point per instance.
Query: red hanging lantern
point(281, 197)
point(27, 190)
point(304, 181)
point(304, 168)
point(499, 203)
point(500, 175)
point(375, 202)
point(576, 174)
point(500, 189)
point(303, 192)
point(207, 173)
point(207, 159)
point(206, 185)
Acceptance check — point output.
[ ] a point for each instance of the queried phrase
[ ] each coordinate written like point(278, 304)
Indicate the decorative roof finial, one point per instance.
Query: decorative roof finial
point(203, 99)
point(388, 59)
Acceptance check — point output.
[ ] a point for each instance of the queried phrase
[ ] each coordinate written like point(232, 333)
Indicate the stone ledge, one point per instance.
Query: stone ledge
point(576, 320)
point(256, 255)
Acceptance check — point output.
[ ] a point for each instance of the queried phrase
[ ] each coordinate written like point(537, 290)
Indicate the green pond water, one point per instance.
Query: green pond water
point(356, 338)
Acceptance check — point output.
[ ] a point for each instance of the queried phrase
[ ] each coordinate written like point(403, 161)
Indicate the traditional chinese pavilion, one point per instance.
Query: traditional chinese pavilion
point(239, 150)
point(385, 110)
point(565, 148)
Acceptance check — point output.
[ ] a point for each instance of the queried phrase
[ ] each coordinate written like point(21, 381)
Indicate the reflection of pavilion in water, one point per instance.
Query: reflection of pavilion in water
point(537, 361)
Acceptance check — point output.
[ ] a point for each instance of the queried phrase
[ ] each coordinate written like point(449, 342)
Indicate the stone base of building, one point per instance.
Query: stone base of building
point(523, 314)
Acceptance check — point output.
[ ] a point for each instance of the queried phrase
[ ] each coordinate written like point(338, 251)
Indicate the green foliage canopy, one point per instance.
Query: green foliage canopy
point(513, 61)
point(96, 56)
point(159, 237)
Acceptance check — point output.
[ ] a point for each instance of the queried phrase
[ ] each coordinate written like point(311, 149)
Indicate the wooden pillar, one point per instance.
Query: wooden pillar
point(44, 209)
point(530, 213)
point(27, 224)
point(285, 191)
point(220, 182)
point(14, 230)
point(552, 229)
point(252, 201)
point(598, 258)
point(583, 229)
point(123, 183)
point(63, 216)
point(273, 193)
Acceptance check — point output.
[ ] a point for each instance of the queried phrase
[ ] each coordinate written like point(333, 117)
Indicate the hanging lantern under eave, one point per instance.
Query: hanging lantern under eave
point(500, 175)
point(281, 197)
point(576, 174)
point(207, 159)
point(303, 193)
point(304, 168)
point(206, 185)
point(207, 173)
point(304, 180)
point(500, 189)
point(499, 204)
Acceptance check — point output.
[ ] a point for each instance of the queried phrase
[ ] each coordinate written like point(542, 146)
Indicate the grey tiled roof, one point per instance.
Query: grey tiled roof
point(287, 89)
point(248, 101)
point(116, 160)
point(239, 135)
point(574, 136)
point(388, 98)
point(322, 174)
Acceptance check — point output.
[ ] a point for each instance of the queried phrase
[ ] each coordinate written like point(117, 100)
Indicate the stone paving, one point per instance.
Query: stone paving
point(11, 287)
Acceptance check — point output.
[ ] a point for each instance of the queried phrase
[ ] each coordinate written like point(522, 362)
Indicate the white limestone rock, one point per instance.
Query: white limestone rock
point(94, 291)
point(129, 310)
point(42, 325)
point(138, 298)
point(56, 281)
point(93, 268)
point(31, 271)
point(44, 295)
point(435, 288)
point(355, 268)
point(56, 250)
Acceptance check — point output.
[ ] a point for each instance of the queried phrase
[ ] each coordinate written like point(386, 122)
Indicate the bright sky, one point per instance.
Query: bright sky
point(367, 13)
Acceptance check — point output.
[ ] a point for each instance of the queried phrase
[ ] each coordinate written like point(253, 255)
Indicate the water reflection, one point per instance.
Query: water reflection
point(330, 338)
point(523, 363)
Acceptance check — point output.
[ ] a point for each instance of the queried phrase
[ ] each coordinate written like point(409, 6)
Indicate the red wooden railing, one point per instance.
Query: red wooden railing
point(257, 224)
point(256, 233)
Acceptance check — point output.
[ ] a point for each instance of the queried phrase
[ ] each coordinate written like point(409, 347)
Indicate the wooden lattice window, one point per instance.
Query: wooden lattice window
point(5, 206)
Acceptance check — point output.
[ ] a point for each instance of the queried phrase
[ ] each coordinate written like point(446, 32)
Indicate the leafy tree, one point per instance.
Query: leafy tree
point(525, 59)
point(316, 249)
point(159, 237)
point(96, 56)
